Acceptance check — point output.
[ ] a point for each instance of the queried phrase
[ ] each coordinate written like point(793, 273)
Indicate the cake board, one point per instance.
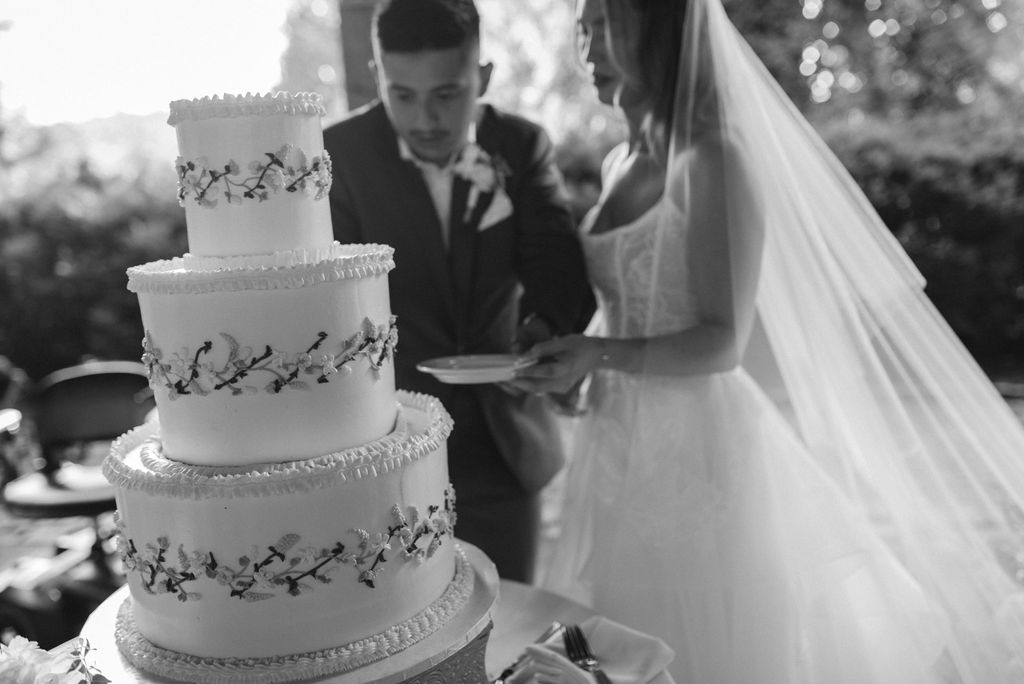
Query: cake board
point(454, 653)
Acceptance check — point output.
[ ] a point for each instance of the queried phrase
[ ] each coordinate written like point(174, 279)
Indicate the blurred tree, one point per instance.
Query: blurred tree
point(356, 22)
point(76, 210)
point(312, 60)
point(893, 58)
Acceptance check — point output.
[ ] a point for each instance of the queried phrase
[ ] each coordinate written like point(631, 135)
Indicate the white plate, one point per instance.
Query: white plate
point(474, 369)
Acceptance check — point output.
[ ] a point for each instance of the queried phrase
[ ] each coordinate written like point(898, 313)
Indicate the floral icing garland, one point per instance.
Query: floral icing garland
point(266, 571)
point(186, 372)
point(288, 169)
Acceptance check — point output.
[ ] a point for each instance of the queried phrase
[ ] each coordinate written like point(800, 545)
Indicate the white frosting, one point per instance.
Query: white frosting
point(213, 132)
point(138, 462)
point(229, 105)
point(281, 270)
point(243, 312)
point(205, 510)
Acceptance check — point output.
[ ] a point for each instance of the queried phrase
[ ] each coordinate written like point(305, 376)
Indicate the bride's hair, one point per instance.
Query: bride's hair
point(646, 43)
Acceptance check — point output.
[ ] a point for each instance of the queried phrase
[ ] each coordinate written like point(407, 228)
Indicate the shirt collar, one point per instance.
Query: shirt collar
point(405, 152)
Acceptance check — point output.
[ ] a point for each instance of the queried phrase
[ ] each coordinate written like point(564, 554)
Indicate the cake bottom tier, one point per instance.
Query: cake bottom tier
point(349, 555)
point(453, 654)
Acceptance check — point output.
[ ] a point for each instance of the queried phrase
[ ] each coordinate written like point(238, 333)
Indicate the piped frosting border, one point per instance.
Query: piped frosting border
point(207, 670)
point(259, 104)
point(191, 274)
point(160, 476)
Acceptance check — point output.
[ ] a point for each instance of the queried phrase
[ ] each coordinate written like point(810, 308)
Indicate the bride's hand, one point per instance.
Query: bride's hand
point(562, 363)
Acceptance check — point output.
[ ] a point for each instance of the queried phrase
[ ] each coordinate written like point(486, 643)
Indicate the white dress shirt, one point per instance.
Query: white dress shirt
point(439, 180)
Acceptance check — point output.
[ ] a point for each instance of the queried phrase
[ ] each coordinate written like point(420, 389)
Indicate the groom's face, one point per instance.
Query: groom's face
point(431, 97)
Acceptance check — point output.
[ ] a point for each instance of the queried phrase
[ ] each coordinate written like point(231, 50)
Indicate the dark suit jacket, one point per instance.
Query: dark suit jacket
point(469, 299)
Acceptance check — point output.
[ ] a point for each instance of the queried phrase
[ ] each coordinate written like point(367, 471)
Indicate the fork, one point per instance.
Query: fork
point(579, 652)
point(552, 629)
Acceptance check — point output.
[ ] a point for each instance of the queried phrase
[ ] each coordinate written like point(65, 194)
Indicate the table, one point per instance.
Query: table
point(523, 612)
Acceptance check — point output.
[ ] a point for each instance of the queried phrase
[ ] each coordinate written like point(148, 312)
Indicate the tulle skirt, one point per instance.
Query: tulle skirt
point(692, 512)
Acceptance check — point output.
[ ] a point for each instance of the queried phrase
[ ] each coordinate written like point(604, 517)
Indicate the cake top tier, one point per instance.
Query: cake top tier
point(228, 106)
point(253, 175)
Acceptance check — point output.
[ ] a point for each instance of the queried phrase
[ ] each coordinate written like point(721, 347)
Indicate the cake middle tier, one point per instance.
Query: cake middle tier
point(269, 359)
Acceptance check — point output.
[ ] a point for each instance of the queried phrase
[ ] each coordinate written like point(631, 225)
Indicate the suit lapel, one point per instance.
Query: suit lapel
point(463, 240)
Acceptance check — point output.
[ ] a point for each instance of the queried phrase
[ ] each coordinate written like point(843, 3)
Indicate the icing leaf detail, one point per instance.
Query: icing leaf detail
point(247, 372)
point(284, 567)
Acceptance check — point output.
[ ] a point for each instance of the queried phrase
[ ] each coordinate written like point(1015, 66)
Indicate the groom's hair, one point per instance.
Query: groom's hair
point(417, 25)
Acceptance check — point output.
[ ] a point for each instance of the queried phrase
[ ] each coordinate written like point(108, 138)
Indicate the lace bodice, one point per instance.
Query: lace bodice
point(641, 274)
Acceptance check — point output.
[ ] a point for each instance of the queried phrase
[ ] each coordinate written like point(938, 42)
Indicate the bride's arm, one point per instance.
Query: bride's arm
point(724, 256)
point(724, 259)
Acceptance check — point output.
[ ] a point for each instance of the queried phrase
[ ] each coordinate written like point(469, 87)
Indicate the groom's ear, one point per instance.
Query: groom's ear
point(485, 77)
point(372, 66)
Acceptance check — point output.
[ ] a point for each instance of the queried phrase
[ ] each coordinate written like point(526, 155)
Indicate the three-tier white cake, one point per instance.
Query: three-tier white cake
point(289, 514)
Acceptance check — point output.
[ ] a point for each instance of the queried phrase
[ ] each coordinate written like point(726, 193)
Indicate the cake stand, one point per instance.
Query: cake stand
point(454, 654)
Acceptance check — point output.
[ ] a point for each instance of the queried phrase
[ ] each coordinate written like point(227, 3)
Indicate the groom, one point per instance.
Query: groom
point(486, 254)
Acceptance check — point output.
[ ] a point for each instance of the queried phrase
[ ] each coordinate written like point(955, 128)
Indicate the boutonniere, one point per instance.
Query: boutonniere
point(485, 174)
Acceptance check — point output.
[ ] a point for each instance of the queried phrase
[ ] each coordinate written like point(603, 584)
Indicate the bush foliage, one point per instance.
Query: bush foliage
point(67, 235)
point(951, 188)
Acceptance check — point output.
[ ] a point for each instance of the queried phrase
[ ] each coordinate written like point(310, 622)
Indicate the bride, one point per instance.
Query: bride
point(791, 470)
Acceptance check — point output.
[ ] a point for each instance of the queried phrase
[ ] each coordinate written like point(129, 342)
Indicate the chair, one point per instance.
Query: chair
point(75, 413)
point(10, 425)
point(13, 383)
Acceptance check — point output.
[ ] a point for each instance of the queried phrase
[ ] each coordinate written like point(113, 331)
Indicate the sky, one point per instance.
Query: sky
point(75, 60)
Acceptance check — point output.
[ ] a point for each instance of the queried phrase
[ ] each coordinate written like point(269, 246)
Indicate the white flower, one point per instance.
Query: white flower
point(225, 575)
point(475, 165)
point(308, 555)
point(195, 560)
point(485, 175)
point(274, 178)
point(380, 542)
point(263, 579)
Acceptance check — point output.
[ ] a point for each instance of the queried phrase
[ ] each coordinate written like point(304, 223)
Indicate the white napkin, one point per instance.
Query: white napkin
point(626, 656)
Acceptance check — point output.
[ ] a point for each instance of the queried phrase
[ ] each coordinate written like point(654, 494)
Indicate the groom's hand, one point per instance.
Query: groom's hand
point(533, 330)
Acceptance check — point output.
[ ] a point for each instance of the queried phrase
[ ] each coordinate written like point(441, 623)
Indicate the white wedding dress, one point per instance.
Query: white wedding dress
point(694, 513)
point(854, 516)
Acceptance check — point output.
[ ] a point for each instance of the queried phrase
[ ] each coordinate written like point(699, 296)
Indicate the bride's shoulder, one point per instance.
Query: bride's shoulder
point(711, 149)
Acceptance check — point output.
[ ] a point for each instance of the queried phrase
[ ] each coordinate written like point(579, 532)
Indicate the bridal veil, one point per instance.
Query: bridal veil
point(876, 385)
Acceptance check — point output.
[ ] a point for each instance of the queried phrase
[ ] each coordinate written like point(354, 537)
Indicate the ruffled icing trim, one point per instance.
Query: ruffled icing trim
point(160, 476)
point(292, 269)
point(260, 104)
point(332, 661)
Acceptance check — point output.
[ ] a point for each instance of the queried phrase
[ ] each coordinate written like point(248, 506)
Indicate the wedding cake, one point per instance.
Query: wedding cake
point(289, 514)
